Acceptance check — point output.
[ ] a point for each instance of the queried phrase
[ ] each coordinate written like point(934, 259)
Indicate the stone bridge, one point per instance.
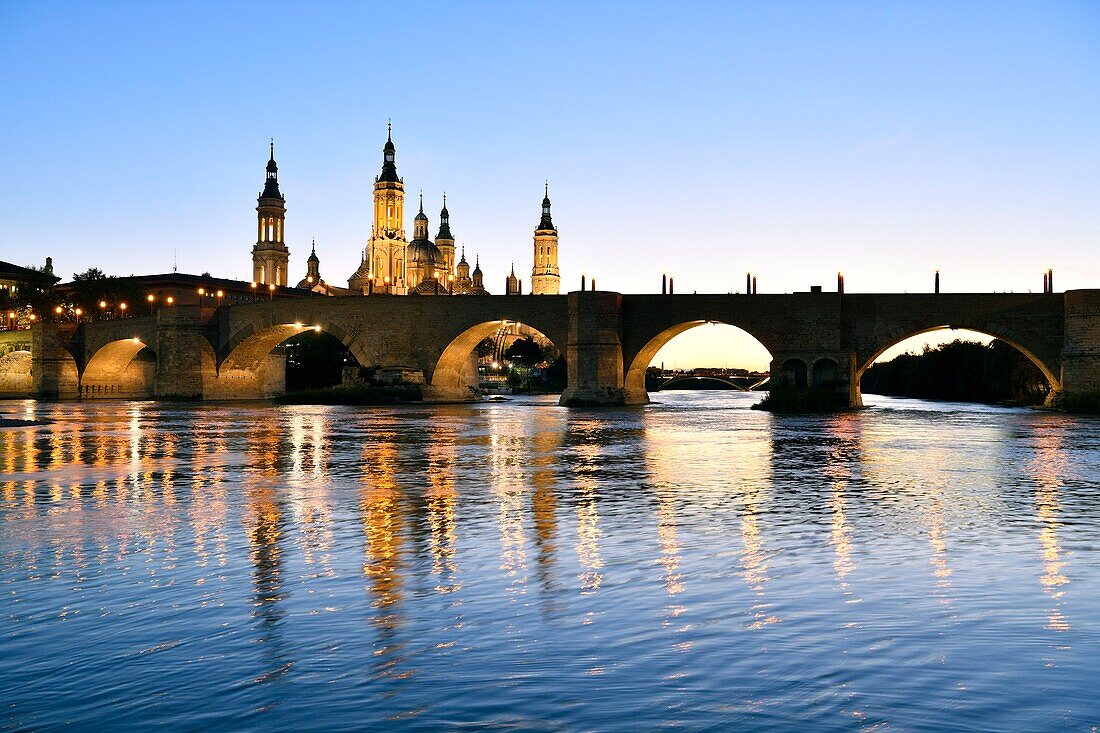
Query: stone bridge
point(608, 339)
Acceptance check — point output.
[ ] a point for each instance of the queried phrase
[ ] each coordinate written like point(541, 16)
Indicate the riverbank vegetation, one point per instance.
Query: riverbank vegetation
point(960, 371)
point(803, 400)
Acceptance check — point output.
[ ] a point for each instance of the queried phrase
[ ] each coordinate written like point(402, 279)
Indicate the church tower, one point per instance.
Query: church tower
point(545, 279)
point(270, 255)
point(313, 269)
point(383, 265)
point(445, 241)
point(512, 285)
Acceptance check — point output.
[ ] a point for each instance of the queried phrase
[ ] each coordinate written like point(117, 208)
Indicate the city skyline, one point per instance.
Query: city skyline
point(917, 139)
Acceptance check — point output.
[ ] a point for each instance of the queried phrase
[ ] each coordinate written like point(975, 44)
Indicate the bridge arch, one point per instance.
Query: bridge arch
point(1047, 364)
point(120, 369)
point(634, 374)
point(825, 372)
point(794, 373)
point(454, 375)
point(247, 367)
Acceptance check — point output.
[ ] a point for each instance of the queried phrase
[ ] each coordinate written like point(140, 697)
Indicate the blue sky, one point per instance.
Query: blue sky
point(790, 139)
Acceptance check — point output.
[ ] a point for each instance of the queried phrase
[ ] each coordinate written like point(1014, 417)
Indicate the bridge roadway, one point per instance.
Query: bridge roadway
point(608, 339)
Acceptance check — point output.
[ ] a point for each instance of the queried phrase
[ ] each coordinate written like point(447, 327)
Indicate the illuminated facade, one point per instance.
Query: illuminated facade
point(270, 255)
point(545, 279)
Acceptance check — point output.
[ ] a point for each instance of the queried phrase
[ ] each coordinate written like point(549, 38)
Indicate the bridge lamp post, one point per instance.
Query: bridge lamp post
point(33, 317)
point(271, 291)
point(103, 307)
point(150, 298)
point(57, 312)
point(317, 329)
point(11, 320)
point(169, 300)
point(79, 312)
point(122, 307)
point(253, 286)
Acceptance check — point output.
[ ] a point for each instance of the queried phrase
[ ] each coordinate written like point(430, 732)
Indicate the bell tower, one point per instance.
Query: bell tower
point(270, 255)
point(383, 265)
point(545, 279)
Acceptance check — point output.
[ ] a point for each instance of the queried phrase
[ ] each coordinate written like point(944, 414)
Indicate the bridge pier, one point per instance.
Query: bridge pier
point(185, 359)
point(594, 350)
point(1081, 349)
point(835, 371)
point(54, 374)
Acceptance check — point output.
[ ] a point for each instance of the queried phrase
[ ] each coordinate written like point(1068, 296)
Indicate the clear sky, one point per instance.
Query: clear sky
point(702, 140)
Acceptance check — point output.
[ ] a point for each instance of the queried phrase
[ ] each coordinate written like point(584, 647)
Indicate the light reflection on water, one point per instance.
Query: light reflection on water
point(692, 564)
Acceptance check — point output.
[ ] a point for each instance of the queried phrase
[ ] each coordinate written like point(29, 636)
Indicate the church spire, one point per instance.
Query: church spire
point(546, 223)
point(444, 223)
point(271, 182)
point(389, 165)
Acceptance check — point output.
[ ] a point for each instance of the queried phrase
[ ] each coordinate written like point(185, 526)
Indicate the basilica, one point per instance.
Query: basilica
point(391, 264)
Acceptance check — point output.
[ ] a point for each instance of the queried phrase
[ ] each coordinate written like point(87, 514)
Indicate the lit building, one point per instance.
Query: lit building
point(270, 256)
point(545, 279)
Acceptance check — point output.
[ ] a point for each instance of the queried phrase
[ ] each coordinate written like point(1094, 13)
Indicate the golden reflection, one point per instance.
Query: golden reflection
point(442, 524)
point(546, 443)
point(1046, 468)
point(507, 456)
point(588, 516)
point(838, 470)
point(309, 486)
point(670, 546)
point(381, 517)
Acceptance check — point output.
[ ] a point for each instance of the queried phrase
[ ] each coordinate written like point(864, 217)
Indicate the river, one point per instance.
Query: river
point(690, 565)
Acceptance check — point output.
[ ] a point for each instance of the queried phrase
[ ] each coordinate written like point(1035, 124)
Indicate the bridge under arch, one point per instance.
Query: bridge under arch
point(454, 376)
point(639, 361)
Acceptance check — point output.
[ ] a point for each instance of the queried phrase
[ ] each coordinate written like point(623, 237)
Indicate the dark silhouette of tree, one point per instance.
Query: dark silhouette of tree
point(525, 351)
point(961, 371)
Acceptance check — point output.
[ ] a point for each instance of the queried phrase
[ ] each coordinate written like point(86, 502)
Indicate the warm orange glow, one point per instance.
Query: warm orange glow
point(386, 279)
point(79, 312)
point(298, 324)
point(317, 329)
point(170, 300)
point(219, 293)
point(150, 297)
point(34, 317)
point(57, 310)
point(11, 314)
point(122, 306)
point(271, 287)
point(102, 304)
point(202, 291)
point(309, 278)
point(137, 340)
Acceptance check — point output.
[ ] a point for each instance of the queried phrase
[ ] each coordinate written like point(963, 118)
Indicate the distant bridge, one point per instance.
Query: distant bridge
point(608, 339)
point(686, 381)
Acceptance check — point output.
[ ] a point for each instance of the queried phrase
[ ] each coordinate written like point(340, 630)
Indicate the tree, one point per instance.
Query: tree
point(525, 351)
point(89, 275)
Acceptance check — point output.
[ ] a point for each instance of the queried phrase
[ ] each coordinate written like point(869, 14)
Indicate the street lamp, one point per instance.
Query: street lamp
point(254, 286)
point(169, 300)
point(122, 307)
point(271, 291)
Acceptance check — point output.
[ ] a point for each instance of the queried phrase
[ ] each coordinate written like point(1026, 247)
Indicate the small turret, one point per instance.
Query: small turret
point(511, 283)
point(420, 223)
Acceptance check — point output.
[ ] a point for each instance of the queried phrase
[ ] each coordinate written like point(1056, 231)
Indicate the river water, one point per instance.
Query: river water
point(690, 565)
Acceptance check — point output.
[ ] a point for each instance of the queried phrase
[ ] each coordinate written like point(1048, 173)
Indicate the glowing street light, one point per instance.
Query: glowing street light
point(169, 300)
